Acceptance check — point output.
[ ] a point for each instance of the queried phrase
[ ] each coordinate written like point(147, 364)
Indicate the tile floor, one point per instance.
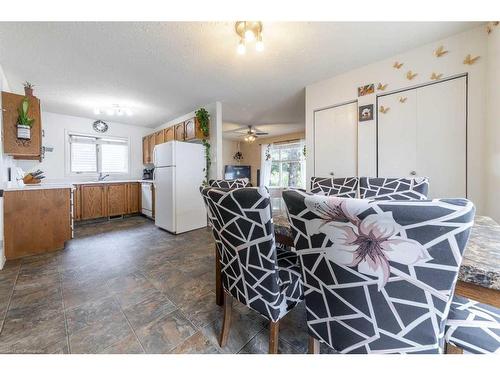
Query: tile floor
point(125, 286)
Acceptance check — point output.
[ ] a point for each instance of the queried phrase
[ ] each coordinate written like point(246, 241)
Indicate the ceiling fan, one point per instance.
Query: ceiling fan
point(250, 133)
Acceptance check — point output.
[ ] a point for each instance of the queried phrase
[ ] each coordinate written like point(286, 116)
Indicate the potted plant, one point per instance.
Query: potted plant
point(28, 88)
point(24, 122)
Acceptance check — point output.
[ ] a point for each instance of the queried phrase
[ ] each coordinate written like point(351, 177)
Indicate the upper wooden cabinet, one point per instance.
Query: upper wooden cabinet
point(146, 156)
point(192, 129)
point(93, 201)
point(169, 134)
point(159, 137)
point(21, 148)
point(179, 132)
point(152, 145)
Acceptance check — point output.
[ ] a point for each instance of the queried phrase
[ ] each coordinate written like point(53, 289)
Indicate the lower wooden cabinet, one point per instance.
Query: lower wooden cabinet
point(133, 198)
point(117, 199)
point(93, 201)
point(36, 221)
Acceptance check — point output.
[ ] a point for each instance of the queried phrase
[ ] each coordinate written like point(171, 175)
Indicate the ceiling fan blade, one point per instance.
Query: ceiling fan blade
point(261, 133)
point(237, 130)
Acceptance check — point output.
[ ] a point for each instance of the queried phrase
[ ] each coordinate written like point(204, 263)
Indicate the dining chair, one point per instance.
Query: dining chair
point(230, 184)
point(393, 188)
point(473, 327)
point(254, 271)
point(378, 276)
point(339, 187)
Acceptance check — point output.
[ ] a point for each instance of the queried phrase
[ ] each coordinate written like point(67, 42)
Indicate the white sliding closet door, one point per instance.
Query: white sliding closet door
point(397, 131)
point(336, 141)
point(441, 137)
point(425, 135)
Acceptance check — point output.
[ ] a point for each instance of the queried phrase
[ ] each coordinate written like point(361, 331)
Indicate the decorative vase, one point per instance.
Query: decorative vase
point(23, 131)
point(28, 91)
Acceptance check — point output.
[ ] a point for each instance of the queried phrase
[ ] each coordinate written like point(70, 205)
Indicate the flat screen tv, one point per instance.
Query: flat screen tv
point(232, 172)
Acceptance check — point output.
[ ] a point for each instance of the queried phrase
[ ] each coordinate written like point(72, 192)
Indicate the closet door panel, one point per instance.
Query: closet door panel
point(441, 137)
point(336, 141)
point(397, 129)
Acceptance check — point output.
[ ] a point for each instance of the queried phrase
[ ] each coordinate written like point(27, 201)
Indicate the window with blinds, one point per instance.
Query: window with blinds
point(98, 155)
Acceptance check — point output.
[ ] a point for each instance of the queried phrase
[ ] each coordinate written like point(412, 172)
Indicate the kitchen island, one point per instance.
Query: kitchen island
point(37, 219)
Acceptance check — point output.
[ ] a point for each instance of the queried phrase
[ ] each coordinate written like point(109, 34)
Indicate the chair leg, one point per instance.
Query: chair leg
point(274, 334)
point(226, 324)
point(219, 292)
point(313, 345)
point(452, 349)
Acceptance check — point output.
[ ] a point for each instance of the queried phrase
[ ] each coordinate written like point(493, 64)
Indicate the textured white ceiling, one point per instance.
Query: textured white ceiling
point(163, 70)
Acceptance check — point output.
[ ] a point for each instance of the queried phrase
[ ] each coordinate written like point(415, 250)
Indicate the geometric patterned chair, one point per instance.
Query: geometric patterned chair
point(393, 188)
point(473, 327)
point(253, 270)
point(230, 184)
point(339, 187)
point(379, 275)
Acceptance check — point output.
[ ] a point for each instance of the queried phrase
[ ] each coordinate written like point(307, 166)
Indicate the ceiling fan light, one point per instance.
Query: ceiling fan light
point(241, 47)
point(249, 35)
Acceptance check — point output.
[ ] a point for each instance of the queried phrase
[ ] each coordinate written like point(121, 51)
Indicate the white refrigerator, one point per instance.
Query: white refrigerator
point(178, 175)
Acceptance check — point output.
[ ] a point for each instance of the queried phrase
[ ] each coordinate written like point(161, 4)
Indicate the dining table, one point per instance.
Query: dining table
point(479, 273)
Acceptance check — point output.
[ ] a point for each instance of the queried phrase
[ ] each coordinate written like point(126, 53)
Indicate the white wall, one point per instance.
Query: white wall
point(215, 111)
point(493, 125)
point(55, 127)
point(229, 148)
point(343, 88)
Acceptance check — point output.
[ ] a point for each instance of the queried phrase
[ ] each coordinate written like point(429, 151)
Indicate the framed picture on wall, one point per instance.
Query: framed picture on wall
point(365, 112)
point(366, 89)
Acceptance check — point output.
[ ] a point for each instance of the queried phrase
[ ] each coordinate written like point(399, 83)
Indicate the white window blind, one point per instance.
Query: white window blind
point(83, 154)
point(114, 157)
point(98, 155)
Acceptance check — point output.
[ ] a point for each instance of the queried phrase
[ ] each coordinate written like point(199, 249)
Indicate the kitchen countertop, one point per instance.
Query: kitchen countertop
point(43, 186)
point(66, 185)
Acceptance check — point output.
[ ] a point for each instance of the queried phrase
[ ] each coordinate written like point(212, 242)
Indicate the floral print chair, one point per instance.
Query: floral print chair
point(393, 188)
point(230, 184)
point(378, 275)
point(254, 271)
point(339, 187)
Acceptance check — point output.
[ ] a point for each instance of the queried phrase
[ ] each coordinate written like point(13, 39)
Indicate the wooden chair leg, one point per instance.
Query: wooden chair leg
point(226, 323)
point(274, 334)
point(452, 349)
point(313, 345)
point(219, 292)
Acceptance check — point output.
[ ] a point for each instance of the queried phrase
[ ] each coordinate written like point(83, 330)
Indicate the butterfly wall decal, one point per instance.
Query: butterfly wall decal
point(440, 51)
point(410, 75)
point(384, 109)
point(402, 99)
point(397, 65)
point(381, 87)
point(435, 76)
point(469, 60)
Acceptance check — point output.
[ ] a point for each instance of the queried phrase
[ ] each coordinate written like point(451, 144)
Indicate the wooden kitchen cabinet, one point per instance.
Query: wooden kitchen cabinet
point(192, 130)
point(116, 198)
point(159, 137)
point(133, 198)
point(36, 221)
point(151, 147)
point(93, 198)
point(169, 134)
point(179, 132)
point(30, 149)
point(146, 157)
point(77, 203)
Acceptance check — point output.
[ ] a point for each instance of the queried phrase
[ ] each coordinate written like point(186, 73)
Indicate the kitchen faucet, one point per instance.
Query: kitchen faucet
point(101, 177)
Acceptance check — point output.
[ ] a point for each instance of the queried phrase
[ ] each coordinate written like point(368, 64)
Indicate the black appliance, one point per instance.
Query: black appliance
point(232, 172)
point(147, 174)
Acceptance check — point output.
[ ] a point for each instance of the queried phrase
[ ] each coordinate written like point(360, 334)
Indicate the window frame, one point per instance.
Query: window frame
point(281, 161)
point(67, 156)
